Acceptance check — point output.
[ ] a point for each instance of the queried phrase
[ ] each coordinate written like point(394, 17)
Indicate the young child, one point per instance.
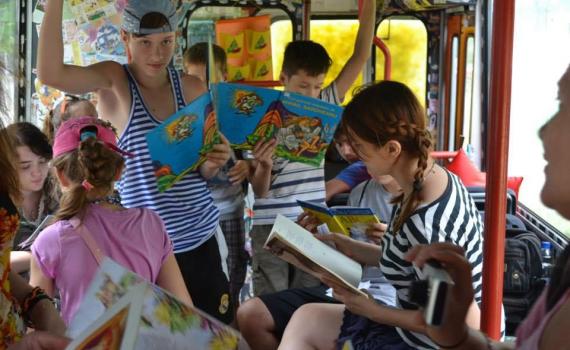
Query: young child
point(39, 197)
point(227, 186)
point(87, 162)
point(72, 106)
point(137, 97)
point(386, 126)
point(279, 186)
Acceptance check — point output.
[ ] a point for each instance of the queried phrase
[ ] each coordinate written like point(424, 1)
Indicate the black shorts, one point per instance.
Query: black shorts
point(206, 281)
point(282, 305)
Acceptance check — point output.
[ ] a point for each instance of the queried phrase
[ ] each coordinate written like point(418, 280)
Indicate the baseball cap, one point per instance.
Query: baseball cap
point(137, 9)
point(72, 132)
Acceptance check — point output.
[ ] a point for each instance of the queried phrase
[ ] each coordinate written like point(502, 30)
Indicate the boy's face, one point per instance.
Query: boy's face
point(199, 71)
point(344, 149)
point(151, 53)
point(303, 83)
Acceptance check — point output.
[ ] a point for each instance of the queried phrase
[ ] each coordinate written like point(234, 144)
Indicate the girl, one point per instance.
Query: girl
point(71, 107)
point(39, 198)
point(87, 162)
point(137, 97)
point(546, 326)
point(18, 301)
point(386, 127)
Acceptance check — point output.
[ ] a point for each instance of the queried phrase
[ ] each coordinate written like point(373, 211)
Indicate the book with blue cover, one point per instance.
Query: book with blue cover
point(178, 145)
point(303, 126)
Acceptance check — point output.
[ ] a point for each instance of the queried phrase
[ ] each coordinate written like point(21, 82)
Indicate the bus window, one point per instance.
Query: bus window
point(337, 36)
point(407, 40)
point(468, 95)
point(453, 92)
point(540, 56)
point(8, 56)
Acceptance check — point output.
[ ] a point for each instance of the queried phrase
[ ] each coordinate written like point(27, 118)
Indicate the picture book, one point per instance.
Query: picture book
point(352, 221)
point(299, 247)
point(303, 126)
point(177, 146)
point(117, 295)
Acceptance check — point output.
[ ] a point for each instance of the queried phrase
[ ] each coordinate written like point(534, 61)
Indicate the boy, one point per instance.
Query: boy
point(277, 188)
point(136, 98)
point(227, 186)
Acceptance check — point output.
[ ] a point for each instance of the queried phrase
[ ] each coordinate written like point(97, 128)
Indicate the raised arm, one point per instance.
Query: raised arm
point(69, 78)
point(362, 48)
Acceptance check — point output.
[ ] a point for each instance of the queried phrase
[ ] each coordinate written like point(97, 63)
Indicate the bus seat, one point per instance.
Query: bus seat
point(478, 195)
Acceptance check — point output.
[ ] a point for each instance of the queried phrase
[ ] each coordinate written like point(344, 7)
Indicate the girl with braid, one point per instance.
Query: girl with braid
point(91, 223)
point(386, 126)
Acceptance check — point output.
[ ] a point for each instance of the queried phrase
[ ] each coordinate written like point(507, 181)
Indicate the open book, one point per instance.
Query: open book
point(303, 126)
point(178, 145)
point(299, 247)
point(122, 311)
point(25, 245)
point(352, 221)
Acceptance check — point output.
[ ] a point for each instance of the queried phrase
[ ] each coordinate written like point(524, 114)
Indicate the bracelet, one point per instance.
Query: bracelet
point(30, 301)
point(456, 345)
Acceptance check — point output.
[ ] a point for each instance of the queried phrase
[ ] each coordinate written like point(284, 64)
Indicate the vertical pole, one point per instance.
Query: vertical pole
point(497, 147)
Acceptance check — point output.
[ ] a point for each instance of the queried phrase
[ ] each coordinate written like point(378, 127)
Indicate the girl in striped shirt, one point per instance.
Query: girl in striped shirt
point(386, 126)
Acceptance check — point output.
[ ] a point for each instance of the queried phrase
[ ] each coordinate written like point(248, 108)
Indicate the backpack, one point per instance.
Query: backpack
point(523, 278)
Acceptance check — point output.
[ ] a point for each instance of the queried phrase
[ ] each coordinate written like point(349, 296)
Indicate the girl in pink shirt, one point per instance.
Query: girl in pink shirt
point(87, 162)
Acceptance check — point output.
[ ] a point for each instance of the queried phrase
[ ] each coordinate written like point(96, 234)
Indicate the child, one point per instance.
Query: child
point(137, 97)
point(227, 186)
point(39, 197)
point(278, 187)
point(71, 107)
point(386, 126)
point(87, 162)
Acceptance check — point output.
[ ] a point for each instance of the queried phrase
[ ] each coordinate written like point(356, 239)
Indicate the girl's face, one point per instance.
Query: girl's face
point(376, 158)
point(344, 149)
point(555, 135)
point(32, 169)
point(151, 53)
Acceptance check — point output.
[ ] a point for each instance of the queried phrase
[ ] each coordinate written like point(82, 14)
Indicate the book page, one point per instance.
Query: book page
point(299, 247)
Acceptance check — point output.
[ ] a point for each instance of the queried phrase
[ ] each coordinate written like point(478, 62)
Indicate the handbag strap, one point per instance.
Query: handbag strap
point(85, 234)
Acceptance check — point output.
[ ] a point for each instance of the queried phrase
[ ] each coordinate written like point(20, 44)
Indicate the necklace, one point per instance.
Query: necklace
point(113, 199)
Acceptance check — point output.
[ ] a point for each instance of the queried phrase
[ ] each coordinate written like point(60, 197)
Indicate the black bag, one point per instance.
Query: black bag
point(523, 279)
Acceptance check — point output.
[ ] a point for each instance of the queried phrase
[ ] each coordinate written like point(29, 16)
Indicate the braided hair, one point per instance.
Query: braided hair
point(387, 111)
point(93, 162)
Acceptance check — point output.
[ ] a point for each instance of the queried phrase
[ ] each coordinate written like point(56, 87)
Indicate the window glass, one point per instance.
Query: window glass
point(541, 54)
point(8, 56)
point(407, 41)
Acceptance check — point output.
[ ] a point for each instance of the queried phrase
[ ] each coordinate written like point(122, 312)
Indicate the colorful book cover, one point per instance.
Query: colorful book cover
point(178, 145)
point(162, 321)
point(303, 126)
point(351, 221)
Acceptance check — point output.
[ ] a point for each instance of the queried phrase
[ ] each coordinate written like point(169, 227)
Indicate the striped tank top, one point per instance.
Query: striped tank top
point(187, 208)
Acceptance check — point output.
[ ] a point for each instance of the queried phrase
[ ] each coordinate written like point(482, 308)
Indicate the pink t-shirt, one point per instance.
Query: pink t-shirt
point(530, 330)
point(135, 238)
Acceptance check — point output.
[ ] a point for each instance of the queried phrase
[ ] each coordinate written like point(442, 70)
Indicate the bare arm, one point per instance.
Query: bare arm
point(20, 261)
point(51, 69)
point(362, 48)
point(44, 315)
point(334, 187)
point(37, 278)
point(170, 279)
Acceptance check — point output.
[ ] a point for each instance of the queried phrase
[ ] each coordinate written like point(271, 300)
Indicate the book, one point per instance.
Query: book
point(351, 221)
point(299, 247)
point(303, 126)
point(178, 145)
point(121, 307)
point(25, 245)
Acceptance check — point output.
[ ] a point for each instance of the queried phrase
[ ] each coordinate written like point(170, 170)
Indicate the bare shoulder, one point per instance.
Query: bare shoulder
point(193, 87)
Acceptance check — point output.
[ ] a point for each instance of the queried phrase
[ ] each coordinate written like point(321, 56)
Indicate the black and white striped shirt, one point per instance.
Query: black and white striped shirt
point(451, 218)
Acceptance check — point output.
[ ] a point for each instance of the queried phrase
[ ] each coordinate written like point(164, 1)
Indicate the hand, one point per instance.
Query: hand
point(239, 172)
point(39, 340)
point(308, 221)
point(461, 293)
point(375, 232)
point(263, 153)
point(218, 155)
point(355, 303)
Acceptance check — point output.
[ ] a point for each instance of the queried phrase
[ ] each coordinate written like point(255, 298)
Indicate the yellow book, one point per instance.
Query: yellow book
point(351, 221)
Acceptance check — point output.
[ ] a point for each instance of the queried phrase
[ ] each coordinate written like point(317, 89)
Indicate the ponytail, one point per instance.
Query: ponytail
point(91, 169)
